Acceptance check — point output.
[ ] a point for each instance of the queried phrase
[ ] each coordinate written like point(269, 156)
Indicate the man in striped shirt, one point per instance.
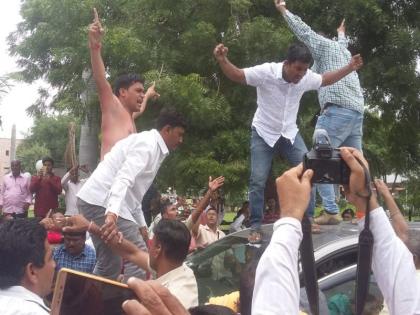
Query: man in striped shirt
point(342, 103)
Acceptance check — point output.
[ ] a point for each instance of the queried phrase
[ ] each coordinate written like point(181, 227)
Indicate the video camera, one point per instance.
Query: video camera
point(326, 161)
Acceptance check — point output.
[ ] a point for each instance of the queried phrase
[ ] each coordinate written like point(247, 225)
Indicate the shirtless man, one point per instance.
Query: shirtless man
point(121, 107)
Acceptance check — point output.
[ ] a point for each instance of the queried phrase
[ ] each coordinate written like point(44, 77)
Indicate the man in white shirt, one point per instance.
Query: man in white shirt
point(71, 184)
point(392, 262)
point(112, 195)
point(26, 268)
point(280, 87)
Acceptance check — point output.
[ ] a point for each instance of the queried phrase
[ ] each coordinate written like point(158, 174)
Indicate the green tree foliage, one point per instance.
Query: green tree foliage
point(48, 135)
point(30, 154)
point(171, 42)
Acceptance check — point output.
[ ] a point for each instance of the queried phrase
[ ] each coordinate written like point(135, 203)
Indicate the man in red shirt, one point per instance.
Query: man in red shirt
point(46, 187)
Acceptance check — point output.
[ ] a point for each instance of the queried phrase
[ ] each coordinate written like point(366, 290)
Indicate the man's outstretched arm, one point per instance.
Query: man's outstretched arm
point(229, 69)
point(331, 77)
point(315, 42)
point(98, 68)
point(151, 94)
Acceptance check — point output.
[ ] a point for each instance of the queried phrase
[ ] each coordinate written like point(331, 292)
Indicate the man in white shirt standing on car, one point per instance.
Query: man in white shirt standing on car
point(112, 195)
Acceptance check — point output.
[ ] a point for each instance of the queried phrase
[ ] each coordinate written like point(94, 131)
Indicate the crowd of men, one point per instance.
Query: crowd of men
point(108, 206)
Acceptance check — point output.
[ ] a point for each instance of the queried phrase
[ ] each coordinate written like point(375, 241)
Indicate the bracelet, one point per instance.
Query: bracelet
point(393, 214)
point(90, 226)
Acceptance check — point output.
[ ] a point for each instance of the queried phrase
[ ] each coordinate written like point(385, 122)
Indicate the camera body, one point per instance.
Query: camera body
point(326, 161)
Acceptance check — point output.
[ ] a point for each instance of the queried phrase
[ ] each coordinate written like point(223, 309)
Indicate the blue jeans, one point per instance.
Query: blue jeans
point(345, 128)
point(261, 158)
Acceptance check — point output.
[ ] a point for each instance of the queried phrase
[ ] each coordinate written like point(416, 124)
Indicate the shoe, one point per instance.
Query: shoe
point(328, 219)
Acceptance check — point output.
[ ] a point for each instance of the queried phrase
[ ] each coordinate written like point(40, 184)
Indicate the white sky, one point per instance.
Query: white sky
point(20, 96)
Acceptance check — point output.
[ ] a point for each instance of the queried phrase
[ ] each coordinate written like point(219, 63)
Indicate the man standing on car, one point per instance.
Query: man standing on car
point(342, 103)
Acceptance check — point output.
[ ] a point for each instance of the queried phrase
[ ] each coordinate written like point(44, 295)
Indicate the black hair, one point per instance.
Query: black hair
point(175, 239)
point(124, 81)
point(22, 241)
point(299, 52)
point(348, 210)
point(211, 309)
point(47, 159)
point(164, 204)
point(81, 234)
point(168, 116)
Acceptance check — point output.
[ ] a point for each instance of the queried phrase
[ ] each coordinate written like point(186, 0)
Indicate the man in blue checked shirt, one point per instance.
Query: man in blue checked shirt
point(74, 254)
point(342, 103)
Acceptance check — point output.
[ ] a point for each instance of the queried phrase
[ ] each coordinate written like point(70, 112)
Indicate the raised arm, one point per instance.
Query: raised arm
point(315, 42)
point(398, 221)
point(151, 94)
point(230, 70)
point(331, 77)
point(341, 34)
point(98, 69)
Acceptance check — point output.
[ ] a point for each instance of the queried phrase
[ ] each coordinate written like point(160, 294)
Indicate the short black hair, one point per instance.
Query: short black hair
point(349, 211)
point(175, 239)
point(211, 309)
point(169, 116)
point(22, 241)
point(299, 52)
point(47, 159)
point(124, 81)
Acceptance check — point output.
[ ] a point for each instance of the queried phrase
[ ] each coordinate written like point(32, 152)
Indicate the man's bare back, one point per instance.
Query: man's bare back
point(129, 101)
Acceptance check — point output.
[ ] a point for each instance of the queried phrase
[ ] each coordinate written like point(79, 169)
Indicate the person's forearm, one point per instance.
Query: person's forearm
point(125, 249)
point(332, 77)
point(202, 205)
point(393, 266)
point(398, 221)
point(231, 71)
point(277, 271)
point(98, 68)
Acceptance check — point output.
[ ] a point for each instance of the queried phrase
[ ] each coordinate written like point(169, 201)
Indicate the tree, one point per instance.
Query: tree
point(30, 154)
point(49, 135)
point(171, 42)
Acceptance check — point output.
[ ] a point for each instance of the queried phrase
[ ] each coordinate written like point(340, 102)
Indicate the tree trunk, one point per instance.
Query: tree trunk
point(89, 141)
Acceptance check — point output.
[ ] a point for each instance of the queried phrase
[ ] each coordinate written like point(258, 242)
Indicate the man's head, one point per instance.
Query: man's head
point(211, 216)
point(74, 242)
point(26, 257)
point(74, 175)
point(168, 210)
point(171, 126)
point(48, 163)
point(16, 167)
point(170, 243)
point(348, 214)
point(297, 63)
point(129, 88)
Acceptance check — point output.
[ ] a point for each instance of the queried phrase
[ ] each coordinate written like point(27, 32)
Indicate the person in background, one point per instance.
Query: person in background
point(208, 233)
point(47, 187)
point(74, 253)
point(15, 196)
point(347, 214)
point(26, 268)
point(71, 184)
point(240, 219)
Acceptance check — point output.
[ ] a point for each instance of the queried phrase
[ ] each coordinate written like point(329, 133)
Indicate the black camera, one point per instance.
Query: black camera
point(326, 161)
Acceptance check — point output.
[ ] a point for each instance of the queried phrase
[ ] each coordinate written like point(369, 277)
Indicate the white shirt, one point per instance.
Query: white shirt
point(276, 289)
point(181, 282)
point(71, 190)
point(278, 100)
point(18, 300)
point(126, 173)
point(393, 266)
point(236, 225)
